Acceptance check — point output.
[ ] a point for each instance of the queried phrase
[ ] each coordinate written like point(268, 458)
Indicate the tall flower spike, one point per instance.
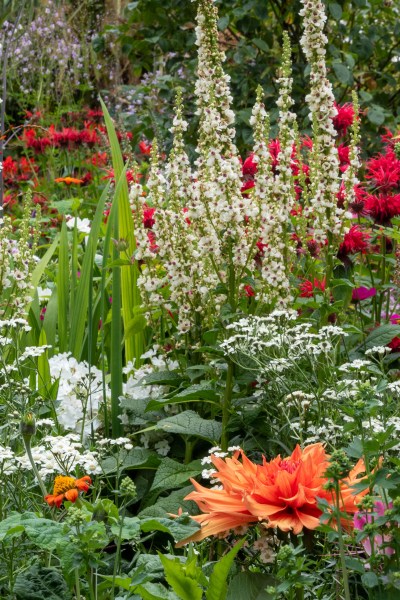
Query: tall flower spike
point(275, 211)
point(324, 173)
point(350, 179)
point(178, 171)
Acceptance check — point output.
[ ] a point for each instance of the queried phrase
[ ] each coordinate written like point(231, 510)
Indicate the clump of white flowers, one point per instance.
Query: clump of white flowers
point(80, 393)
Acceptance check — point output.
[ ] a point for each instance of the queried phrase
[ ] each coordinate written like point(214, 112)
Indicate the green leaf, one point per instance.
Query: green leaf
point(190, 423)
point(184, 586)
point(218, 586)
point(11, 526)
point(249, 586)
point(81, 302)
point(335, 10)
point(172, 474)
point(44, 533)
point(154, 591)
point(137, 458)
point(382, 336)
point(376, 114)
point(171, 504)
point(136, 325)
point(354, 564)
point(223, 23)
point(172, 378)
point(131, 299)
point(180, 528)
point(41, 583)
point(343, 73)
point(261, 45)
point(43, 367)
point(130, 529)
point(370, 580)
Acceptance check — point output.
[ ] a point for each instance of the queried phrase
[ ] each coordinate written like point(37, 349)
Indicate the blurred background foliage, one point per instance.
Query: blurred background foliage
point(136, 54)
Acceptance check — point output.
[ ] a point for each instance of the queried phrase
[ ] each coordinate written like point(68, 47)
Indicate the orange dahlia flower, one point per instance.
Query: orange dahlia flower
point(283, 492)
point(67, 488)
point(69, 180)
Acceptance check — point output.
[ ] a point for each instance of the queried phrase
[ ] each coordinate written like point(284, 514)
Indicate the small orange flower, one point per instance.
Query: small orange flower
point(67, 488)
point(69, 180)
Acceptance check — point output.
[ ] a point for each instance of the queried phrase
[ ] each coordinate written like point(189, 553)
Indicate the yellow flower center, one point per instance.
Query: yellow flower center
point(62, 484)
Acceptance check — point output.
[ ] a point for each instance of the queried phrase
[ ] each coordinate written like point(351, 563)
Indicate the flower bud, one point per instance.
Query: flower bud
point(28, 426)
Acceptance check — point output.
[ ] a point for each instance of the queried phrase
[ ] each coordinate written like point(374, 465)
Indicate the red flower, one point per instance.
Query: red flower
point(249, 166)
point(67, 488)
point(344, 117)
point(384, 171)
point(145, 147)
point(249, 291)
point(344, 155)
point(307, 288)
point(148, 217)
point(354, 241)
point(382, 208)
point(357, 206)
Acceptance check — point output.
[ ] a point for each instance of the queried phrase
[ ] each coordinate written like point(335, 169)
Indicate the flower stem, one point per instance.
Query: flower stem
point(27, 444)
point(341, 548)
point(77, 585)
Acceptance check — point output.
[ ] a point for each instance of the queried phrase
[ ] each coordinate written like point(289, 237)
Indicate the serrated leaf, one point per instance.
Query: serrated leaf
point(44, 533)
point(172, 474)
point(218, 583)
point(41, 583)
point(190, 423)
point(180, 528)
point(382, 336)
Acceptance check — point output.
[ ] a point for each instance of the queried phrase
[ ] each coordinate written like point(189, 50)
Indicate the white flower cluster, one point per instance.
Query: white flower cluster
point(80, 393)
point(276, 343)
point(60, 454)
point(324, 165)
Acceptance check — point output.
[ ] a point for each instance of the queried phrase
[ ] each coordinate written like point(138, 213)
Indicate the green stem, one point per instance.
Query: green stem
point(341, 547)
point(226, 405)
point(27, 444)
point(77, 585)
point(117, 555)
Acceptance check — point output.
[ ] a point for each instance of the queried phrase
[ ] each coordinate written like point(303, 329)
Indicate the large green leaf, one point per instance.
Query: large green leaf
point(172, 474)
point(190, 423)
point(41, 583)
point(137, 458)
point(62, 281)
point(180, 528)
point(171, 504)
point(382, 336)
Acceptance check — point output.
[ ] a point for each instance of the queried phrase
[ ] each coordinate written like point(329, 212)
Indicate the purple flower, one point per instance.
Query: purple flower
point(362, 293)
point(394, 319)
point(361, 519)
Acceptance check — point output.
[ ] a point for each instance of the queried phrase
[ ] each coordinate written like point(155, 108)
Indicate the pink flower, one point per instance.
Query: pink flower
point(361, 519)
point(362, 293)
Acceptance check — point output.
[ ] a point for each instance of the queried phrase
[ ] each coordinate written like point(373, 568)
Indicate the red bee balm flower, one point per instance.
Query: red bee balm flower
point(384, 171)
point(354, 241)
point(382, 208)
point(67, 488)
point(344, 117)
point(307, 288)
